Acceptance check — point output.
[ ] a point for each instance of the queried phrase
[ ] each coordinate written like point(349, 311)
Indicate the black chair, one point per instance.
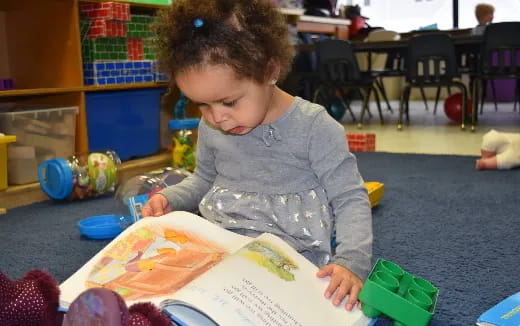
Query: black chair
point(430, 62)
point(339, 73)
point(500, 58)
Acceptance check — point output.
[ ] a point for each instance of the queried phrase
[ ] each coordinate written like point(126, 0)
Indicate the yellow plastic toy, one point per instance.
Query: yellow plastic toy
point(4, 140)
point(376, 191)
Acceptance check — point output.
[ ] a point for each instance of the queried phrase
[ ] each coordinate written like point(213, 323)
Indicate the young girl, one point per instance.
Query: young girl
point(266, 161)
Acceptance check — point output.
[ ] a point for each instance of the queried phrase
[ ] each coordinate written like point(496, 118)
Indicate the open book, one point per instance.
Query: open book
point(201, 274)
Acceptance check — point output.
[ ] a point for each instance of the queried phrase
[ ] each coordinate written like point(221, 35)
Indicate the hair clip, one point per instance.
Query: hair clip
point(197, 22)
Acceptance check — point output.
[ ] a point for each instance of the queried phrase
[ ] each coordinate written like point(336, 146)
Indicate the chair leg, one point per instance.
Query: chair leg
point(437, 95)
point(464, 105)
point(475, 96)
point(346, 104)
point(407, 102)
point(402, 107)
point(483, 97)
point(378, 103)
point(362, 99)
point(517, 94)
point(365, 107)
point(381, 87)
point(494, 91)
point(423, 94)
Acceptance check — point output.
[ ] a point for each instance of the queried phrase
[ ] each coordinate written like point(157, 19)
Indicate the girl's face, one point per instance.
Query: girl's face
point(233, 105)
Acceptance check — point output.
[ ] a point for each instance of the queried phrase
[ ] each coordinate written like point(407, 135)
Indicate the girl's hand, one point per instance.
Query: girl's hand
point(342, 282)
point(156, 206)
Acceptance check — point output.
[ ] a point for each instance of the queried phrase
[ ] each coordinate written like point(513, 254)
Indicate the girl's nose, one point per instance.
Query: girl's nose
point(218, 114)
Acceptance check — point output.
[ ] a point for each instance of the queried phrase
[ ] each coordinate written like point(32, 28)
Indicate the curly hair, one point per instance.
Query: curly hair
point(245, 35)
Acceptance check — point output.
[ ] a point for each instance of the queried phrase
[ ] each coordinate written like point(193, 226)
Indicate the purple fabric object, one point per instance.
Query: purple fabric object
point(505, 88)
point(6, 84)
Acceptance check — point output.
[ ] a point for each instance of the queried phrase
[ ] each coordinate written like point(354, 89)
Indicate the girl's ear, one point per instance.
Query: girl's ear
point(273, 71)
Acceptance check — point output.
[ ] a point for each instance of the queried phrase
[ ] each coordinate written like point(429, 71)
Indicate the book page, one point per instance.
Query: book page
point(153, 258)
point(265, 283)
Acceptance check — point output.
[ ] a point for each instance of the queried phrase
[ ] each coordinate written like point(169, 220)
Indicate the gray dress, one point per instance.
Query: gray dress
point(294, 178)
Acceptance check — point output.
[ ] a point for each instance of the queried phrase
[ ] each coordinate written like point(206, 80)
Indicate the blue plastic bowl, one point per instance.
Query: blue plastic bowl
point(100, 227)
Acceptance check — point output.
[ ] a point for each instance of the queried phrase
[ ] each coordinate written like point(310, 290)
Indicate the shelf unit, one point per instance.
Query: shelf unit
point(40, 49)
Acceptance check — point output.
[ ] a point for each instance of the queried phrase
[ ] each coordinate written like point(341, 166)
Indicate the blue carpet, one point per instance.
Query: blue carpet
point(440, 219)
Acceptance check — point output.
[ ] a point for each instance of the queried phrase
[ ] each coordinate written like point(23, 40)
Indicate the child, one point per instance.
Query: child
point(266, 161)
point(500, 150)
point(484, 14)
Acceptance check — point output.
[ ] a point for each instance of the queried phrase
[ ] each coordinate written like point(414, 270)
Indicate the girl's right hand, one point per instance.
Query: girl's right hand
point(156, 206)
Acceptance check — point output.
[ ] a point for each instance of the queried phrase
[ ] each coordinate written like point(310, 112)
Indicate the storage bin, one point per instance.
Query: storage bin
point(22, 166)
point(4, 140)
point(50, 130)
point(124, 121)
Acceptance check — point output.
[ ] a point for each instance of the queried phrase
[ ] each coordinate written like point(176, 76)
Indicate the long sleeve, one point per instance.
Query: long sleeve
point(337, 170)
point(187, 194)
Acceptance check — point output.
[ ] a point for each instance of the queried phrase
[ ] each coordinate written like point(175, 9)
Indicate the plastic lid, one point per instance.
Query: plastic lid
point(179, 124)
point(100, 227)
point(57, 182)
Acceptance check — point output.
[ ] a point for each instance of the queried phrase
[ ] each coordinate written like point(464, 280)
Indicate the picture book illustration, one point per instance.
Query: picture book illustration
point(154, 261)
point(271, 258)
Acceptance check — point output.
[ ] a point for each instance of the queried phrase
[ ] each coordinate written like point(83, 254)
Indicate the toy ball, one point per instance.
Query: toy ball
point(453, 107)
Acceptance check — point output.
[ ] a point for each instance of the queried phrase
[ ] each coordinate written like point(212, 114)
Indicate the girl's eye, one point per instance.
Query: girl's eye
point(229, 104)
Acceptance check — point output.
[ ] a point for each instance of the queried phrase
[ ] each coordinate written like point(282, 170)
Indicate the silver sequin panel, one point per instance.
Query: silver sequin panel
point(302, 219)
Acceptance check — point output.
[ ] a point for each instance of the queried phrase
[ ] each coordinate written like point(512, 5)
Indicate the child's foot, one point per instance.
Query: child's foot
point(486, 163)
point(97, 306)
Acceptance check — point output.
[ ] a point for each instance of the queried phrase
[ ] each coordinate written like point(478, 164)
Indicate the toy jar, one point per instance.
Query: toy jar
point(80, 176)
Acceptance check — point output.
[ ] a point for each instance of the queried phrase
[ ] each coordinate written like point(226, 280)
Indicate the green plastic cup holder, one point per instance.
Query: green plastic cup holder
point(391, 268)
point(423, 285)
point(419, 298)
point(370, 311)
point(386, 280)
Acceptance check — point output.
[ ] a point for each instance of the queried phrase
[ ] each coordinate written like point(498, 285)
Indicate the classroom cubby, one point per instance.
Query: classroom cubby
point(40, 50)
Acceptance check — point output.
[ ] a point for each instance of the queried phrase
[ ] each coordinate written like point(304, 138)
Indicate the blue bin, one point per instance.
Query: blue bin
point(124, 121)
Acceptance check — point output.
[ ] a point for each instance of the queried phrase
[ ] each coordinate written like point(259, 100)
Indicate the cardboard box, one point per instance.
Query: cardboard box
point(106, 10)
point(361, 142)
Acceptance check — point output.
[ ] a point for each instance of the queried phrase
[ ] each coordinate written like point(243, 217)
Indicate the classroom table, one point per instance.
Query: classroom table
point(467, 48)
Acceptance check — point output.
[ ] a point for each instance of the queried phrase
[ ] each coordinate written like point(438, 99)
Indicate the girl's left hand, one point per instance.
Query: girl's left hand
point(342, 282)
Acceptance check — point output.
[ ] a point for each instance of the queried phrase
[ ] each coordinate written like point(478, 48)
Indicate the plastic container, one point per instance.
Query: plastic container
point(124, 121)
point(4, 140)
point(103, 226)
point(150, 183)
point(80, 176)
point(135, 192)
point(183, 140)
point(50, 130)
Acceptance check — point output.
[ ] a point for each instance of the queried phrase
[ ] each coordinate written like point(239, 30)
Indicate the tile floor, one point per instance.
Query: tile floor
point(432, 134)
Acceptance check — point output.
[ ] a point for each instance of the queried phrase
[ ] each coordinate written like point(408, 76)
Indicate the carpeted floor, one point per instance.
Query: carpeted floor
point(440, 219)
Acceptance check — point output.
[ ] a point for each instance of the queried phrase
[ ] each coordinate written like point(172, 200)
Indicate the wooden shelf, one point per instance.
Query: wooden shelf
point(15, 196)
point(135, 4)
point(50, 91)
point(39, 91)
point(123, 87)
